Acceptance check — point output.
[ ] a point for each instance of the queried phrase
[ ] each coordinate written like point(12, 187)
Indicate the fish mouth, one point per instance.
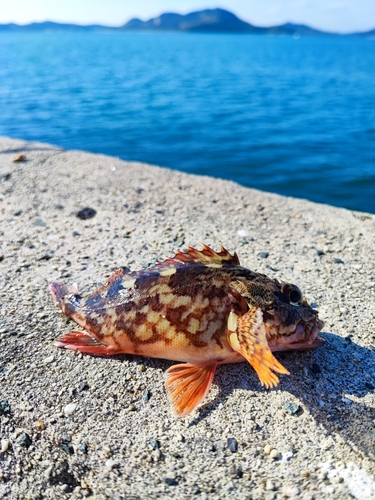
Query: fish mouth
point(58, 291)
point(67, 299)
point(301, 345)
point(304, 337)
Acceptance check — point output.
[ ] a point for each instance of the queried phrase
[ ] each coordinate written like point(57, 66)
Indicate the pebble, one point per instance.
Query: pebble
point(40, 425)
point(39, 223)
point(170, 481)
point(275, 454)
point(48, 360)
point(146, 395)
point(269, 495)
point(263, 255)
point(67, 448)
point(232, 444)
point(270, 485)
point(24, 440)
point(286, 456)
point(110, 464)
point(154, 444)
point(4, 407)
point(267, 449)
point(291, 408)
point(242, 233)
point(84, 386)
point(220, 445)
point(83, 448)
point(338, 261)
point(315, 368)
point(291, 491)
point(86, 213)
point(4, 445)
point(19, 158)
point(70, 409)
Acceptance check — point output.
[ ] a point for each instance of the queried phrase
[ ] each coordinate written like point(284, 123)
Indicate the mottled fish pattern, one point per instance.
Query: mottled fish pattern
point(201, 308)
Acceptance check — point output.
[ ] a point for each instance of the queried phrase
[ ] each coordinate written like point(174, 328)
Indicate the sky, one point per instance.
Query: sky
point(343, 16)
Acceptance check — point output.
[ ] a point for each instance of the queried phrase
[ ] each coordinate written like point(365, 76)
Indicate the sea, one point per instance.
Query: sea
point(290, 115)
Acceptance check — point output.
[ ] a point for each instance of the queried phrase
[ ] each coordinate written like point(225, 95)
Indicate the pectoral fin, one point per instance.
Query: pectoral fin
point(187, 385)
point(247, 335)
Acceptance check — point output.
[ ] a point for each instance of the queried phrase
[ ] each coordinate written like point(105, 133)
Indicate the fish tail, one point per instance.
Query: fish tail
point(67, 299)
point(84, 342)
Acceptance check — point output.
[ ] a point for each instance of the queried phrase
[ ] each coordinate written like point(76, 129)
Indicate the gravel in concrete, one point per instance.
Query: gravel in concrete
point(92, 423)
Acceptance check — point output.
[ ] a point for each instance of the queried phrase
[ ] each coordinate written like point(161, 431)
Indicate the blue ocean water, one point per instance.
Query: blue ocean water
point(296, 117)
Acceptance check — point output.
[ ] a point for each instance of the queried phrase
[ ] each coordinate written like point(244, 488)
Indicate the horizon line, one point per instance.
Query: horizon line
point(117, 26)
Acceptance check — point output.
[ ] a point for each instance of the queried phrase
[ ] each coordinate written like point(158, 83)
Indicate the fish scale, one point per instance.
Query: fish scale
point(201, 308)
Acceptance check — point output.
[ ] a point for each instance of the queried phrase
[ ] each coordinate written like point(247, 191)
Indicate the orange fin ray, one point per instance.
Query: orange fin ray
point(84, 342)
point(249, 339)
point(187, 385)
point(207, 256)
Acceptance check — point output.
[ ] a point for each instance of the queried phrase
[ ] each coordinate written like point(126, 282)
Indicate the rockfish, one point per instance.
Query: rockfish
point(201, 308)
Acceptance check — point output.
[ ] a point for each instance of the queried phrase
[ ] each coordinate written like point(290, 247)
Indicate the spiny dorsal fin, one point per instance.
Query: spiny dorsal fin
point(206, 256)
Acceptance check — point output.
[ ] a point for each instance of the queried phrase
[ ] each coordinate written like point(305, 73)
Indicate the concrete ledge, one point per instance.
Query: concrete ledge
point(120, 440)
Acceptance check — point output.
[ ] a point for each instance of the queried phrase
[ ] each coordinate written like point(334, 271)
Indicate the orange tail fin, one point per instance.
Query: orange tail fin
point(187, 385)
point(83, 342)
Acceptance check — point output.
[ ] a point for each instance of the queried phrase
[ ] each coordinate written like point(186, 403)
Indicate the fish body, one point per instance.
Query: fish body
point(201, 308)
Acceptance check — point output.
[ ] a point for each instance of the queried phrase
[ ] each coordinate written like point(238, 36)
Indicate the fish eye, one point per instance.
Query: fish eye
point(294, 296)
point(291, 294)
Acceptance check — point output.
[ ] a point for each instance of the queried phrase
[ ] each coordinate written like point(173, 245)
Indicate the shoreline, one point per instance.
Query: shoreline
point(119, 442)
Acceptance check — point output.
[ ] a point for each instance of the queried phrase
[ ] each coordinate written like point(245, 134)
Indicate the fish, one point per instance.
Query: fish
point(200, 308)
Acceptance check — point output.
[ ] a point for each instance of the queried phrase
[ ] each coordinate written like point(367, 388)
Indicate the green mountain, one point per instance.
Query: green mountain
point(51, 26)
point(213, 20)
point(204, 21)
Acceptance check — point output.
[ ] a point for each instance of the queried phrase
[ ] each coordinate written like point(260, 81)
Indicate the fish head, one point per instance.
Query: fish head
point(289, 320)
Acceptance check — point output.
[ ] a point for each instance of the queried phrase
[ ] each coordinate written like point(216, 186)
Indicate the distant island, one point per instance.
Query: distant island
point(203, 21)
point(214, 21)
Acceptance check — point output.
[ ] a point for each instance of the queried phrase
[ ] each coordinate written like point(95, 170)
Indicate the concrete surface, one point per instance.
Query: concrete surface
point(74, 426)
